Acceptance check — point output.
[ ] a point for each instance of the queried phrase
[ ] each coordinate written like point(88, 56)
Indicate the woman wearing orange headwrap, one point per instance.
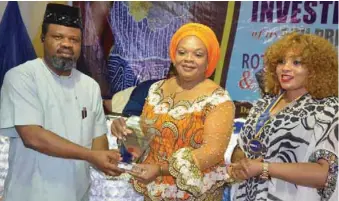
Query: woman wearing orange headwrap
point(206, 35)
point(192, 118)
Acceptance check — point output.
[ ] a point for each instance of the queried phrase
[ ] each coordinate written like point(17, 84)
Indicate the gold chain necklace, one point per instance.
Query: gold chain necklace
point(176, 92)
point(174, 95)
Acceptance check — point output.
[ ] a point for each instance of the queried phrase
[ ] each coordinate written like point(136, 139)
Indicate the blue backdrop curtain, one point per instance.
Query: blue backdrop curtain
point(15, 44)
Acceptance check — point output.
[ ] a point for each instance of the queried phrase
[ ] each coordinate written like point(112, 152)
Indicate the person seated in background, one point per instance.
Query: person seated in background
point(130, 101)
point(117, 103)
point(193, 120)
point(290, 138)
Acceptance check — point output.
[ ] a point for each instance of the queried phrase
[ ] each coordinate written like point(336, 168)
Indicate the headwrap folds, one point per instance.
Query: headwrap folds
point(63, 15)
point(206, 35)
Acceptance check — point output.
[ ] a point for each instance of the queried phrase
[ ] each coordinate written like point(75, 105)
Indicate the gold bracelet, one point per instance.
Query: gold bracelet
point(265, 173)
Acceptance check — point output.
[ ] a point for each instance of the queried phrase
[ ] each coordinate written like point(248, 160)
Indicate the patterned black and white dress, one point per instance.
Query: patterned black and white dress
point(304, 131)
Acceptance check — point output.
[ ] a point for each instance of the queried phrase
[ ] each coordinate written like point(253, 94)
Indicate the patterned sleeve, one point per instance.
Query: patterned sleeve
point(327, 147)
point(188, 165)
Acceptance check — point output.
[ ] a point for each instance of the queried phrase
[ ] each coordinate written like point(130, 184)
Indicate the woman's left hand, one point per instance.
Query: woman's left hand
point(247, 168)
point(148, 173)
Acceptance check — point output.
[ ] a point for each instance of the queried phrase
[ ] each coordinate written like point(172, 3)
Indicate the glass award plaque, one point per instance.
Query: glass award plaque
point(134, 146)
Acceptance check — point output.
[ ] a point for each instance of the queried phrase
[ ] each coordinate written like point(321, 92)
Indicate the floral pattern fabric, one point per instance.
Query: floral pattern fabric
point(179, 130)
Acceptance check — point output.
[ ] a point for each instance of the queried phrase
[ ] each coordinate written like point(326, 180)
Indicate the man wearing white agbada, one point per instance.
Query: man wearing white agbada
point(52, 113)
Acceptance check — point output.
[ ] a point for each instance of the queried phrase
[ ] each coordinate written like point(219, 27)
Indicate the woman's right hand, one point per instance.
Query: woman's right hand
point(119, 129)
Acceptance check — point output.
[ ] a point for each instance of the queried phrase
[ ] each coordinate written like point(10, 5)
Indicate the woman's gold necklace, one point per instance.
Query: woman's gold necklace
point(174, 95)
point(176, 92)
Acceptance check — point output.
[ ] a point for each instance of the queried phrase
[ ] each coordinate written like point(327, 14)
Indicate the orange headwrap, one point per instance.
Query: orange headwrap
point(206, 35)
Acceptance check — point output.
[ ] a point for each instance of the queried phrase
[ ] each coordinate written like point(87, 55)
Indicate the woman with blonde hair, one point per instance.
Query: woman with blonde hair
point(290, 137)
point(192, 118)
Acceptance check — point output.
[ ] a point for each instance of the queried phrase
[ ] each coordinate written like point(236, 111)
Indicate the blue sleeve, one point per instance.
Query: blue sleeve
point(136, 101)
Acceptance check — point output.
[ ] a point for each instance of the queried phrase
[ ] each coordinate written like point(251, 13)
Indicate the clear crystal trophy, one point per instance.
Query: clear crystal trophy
point(134, 146)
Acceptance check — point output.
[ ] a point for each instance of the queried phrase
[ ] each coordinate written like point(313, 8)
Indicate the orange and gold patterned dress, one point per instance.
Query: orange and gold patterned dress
point(179, 130)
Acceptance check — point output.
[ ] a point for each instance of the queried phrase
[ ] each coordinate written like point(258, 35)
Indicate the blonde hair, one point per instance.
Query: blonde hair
point(317, 55)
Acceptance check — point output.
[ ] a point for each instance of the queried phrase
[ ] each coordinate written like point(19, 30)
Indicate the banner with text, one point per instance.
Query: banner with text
point(262, 22)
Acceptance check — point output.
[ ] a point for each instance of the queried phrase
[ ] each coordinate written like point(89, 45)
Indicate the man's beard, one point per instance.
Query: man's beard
point(62, 64)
